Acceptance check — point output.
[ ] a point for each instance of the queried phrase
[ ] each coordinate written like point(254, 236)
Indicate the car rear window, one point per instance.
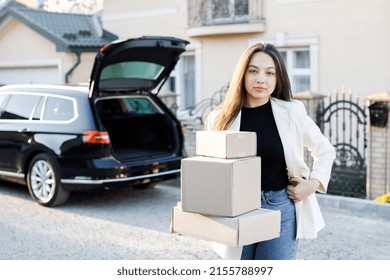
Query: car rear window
point(132, 69)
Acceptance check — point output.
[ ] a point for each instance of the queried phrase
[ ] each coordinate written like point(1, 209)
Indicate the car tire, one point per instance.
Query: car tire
point(43, 181)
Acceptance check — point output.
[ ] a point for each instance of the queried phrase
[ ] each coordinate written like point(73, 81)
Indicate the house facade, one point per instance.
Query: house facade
point(51, 48)
point(327, 44)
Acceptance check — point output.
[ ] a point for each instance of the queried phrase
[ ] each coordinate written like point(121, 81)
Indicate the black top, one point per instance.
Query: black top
point(269, 146)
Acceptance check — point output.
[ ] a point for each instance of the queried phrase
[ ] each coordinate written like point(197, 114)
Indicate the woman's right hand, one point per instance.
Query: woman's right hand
point(301, 188)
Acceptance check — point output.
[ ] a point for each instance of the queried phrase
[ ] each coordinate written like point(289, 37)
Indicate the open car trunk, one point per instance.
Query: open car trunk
point(137, 127)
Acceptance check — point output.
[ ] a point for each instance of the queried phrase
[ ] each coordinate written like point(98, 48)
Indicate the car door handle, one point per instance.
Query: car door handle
point(23, 130)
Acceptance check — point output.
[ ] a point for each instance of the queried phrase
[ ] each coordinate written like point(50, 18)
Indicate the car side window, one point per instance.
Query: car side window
point(140, 106)
point(20, 106)
point(123, 107)
point(3, 97)
point(58, 109)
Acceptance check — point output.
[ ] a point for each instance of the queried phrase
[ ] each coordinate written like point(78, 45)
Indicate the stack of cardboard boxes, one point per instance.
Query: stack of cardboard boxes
point(221, 192)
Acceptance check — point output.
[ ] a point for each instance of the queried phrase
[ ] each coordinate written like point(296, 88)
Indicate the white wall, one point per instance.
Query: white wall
point(34, 59)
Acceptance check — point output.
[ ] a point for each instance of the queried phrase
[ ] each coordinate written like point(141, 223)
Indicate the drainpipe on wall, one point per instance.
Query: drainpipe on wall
point(78, 55)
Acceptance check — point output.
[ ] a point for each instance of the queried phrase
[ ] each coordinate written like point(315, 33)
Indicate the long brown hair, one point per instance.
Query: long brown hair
point(235, 96)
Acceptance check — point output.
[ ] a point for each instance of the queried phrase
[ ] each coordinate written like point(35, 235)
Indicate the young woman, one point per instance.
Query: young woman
point(259, 99)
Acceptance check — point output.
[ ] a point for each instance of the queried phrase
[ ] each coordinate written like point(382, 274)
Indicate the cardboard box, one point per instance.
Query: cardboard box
point(226, 144)
point(220, 187)
point(255, 226)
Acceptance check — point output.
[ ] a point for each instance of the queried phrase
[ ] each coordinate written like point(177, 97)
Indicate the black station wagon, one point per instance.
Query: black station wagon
point(116, 132)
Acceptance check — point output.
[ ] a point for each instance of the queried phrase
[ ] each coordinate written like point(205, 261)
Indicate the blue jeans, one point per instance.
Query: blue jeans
point(283, 247)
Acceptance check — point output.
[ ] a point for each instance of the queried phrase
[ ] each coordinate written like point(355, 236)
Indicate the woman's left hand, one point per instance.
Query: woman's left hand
point(301, 188)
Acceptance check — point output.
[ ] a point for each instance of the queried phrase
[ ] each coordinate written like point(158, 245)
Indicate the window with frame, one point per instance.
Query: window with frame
point(298, 66)
point(58, 109)
point(132, 70)
point(182, 82)
point(213, 12)
point(141, 106)
point(20, 107)
point(126, 107)
point(3, 98)
point(228, 10)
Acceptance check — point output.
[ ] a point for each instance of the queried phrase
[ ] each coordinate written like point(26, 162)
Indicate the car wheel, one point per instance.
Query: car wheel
point(43, 181)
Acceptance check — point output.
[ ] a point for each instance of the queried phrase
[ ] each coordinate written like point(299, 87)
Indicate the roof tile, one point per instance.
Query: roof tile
point(68, 31)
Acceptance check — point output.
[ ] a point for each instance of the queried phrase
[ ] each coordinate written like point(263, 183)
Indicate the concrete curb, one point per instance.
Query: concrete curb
point(354, 206)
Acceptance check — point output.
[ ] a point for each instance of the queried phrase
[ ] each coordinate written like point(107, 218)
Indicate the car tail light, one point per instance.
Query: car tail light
point(96, 137)
point(104, 47)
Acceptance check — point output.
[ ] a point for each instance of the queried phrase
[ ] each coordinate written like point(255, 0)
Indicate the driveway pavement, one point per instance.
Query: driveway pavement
point(356, 229)
point(127, 224)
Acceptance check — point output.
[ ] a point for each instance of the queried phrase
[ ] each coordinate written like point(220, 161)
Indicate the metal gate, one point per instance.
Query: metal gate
point(343, 120)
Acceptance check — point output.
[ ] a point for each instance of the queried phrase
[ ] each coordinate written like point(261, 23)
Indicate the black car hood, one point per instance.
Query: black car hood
point(137, 64)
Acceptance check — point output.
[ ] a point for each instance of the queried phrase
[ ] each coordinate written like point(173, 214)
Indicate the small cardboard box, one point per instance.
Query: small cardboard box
point(226, 144)
point(255, 226)
point(220, 187)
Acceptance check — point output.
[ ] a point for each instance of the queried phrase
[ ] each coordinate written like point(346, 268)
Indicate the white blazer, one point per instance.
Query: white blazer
point(297, 130)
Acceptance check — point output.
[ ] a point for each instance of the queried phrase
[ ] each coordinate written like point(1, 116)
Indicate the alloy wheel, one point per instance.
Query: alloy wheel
point(43, 183)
